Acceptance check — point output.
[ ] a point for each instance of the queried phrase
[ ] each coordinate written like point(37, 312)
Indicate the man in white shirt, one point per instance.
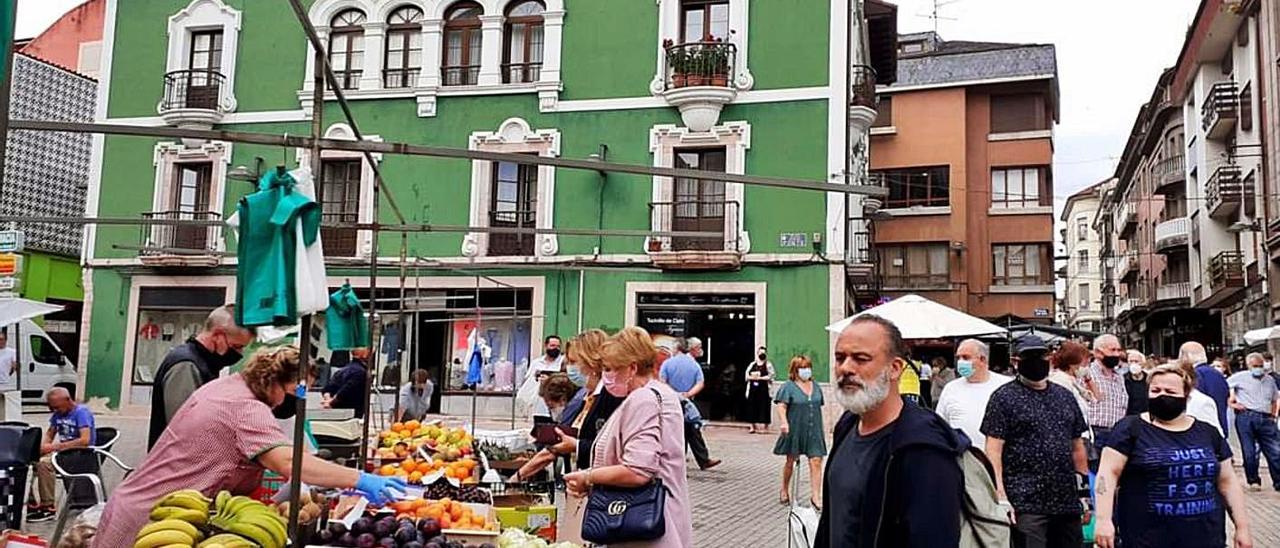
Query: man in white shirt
point(963, 402)
point(8, 365)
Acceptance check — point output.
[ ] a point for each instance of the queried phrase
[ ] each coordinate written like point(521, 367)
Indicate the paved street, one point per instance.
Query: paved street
point(735, 504)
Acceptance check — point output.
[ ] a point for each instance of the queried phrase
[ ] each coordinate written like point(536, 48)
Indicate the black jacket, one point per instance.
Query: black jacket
point(208, 366)
point(920, 483)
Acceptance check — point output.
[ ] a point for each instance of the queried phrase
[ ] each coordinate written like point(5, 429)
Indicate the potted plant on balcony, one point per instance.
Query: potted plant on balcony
point(716, 63)
point(678, 61)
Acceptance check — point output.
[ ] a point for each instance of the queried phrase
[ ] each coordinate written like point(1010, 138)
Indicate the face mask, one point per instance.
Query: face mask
point(964, 368)
point(805, 374)
point(287, 409)
point(575, 375)
point(553, 353)
point(1082, 372)
point(1111, 361)
point(1166, 407)
point(616, 386)
point(1257, 372)
point(1033, 368)
point(1135, 369)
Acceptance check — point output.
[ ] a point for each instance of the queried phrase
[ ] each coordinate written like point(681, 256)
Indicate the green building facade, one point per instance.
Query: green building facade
point(743, 86)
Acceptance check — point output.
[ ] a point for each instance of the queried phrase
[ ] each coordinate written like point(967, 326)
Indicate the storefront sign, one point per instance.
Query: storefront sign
point(793, 239)
point(669, 322)
point(697, 299)
point(1042, 312)
point(11, 241)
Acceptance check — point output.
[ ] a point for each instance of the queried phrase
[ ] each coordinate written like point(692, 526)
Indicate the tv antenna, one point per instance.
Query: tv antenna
point(934, 15)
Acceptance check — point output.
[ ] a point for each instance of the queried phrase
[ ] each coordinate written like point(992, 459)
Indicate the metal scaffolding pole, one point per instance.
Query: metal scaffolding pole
point(441, 152)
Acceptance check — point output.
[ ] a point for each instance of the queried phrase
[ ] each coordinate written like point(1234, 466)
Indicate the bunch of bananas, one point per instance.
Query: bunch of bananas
point(244, 517)
point(175, 521)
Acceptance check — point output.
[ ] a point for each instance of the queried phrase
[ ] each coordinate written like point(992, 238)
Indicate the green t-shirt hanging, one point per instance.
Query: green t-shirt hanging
point(267, 250)
point(344, 321)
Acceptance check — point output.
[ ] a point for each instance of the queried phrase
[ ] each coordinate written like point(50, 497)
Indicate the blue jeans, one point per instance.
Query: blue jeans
point(1256, 430)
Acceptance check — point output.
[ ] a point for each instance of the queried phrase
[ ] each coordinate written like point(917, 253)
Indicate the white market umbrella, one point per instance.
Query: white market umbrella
point(1258, 336)
point(16, 309)
point(921, 318)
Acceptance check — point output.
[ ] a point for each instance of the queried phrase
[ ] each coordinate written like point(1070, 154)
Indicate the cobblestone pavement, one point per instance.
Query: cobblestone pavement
point(734, 504)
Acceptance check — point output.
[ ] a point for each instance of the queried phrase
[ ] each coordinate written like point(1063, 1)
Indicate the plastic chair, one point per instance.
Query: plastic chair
point(19, 448)
point(81, 473)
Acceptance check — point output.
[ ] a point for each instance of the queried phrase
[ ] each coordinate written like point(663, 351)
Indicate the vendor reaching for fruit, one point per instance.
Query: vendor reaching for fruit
point(223, 438)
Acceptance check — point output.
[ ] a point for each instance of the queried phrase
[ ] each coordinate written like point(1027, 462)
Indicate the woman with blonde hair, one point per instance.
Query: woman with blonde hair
point(644, 439)
point(224, 437)
point(799, 405)
point(1166, 478)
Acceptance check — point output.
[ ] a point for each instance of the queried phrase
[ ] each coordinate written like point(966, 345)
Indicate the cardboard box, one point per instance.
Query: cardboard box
point(527, 512)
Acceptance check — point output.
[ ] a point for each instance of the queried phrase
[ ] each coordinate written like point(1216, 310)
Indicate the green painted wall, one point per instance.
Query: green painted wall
point(47, 276)
point(107, 322)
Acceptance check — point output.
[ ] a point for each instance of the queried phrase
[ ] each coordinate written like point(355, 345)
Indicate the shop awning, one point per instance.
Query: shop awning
point(921, 318)
point(16, 309)
point(1259, 336)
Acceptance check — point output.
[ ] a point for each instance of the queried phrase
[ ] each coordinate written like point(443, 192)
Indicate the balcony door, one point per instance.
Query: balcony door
point(699, 204)
point(513, 205)
point(204, 61)
point(340, 205)
point(704, 20)
point(189, 202)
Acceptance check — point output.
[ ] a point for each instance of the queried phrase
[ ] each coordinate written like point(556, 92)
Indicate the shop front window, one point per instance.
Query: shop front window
point(167, 317)
point(502, 321)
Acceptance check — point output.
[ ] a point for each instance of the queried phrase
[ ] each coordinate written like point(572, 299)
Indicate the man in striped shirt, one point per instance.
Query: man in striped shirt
point(1111, 399)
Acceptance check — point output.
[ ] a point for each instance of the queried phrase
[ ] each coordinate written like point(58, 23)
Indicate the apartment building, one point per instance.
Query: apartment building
point(1081, 306)
point(964, 143)
point(729, 86)
point(1187, 212)
point(1269, 83)
point(1148, 297)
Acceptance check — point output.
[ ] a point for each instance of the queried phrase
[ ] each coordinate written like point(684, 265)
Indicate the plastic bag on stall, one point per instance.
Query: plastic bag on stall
point(80, 534)
point(527, 398)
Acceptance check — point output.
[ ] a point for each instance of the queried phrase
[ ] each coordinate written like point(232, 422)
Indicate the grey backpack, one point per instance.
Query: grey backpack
point(983, 524)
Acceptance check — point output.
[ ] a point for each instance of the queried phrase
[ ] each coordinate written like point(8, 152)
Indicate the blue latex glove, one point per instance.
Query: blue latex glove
point(380, 489)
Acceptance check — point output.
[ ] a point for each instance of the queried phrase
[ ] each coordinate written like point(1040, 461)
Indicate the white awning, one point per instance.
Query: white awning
point(921, 318)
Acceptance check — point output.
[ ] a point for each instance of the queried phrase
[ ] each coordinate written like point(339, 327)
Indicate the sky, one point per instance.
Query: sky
point(1110, 53)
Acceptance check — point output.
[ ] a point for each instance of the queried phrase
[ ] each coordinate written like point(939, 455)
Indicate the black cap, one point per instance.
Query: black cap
point(1028, 343)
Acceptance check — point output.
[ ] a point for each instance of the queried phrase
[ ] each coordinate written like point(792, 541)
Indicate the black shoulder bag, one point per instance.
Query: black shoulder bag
point(627, 514)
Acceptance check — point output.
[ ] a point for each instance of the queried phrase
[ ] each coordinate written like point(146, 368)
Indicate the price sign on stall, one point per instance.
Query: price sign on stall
point(11, 241)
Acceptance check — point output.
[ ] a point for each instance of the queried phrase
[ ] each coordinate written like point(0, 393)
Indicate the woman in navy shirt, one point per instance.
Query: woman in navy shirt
point(1173, 476)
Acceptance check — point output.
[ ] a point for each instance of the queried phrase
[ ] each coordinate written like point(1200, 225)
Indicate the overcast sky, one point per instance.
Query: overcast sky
point(1110, 53)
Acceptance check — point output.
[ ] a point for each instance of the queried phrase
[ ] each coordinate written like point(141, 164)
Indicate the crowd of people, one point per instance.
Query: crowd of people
point(1074, 435)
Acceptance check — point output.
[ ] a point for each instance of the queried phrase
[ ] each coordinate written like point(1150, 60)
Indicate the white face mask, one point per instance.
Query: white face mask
point(1135, 369)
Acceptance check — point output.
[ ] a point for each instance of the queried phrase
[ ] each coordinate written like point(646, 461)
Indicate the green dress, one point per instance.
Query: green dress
point(804, 419)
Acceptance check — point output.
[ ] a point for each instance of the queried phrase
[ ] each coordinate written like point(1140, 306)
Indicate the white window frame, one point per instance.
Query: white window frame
point(514, 135)
point(343, 132)
point(735, 138)
point(168, 155)
point(669, 29)
point(206, 15)
point(429, 84)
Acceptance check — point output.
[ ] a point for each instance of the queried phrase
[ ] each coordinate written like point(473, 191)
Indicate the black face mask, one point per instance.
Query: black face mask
point(1111, 361)
point(553, 353)
point(1033, 368)
point(287, 409)
point(1167, 408)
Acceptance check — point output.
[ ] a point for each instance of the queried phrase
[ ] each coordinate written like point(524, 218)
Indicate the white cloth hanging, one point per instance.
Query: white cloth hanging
point(310, 279)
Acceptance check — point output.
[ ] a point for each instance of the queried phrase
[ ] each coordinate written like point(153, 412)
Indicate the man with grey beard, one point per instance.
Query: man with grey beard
point(894, 478)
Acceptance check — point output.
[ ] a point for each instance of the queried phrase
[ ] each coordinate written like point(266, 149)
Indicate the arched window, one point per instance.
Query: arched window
point(522, 55)
point(462, 44)
point(346, 47)
point(404, 48)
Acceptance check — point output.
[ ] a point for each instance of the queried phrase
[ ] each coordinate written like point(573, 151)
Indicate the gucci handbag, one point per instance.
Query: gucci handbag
point(626, 514)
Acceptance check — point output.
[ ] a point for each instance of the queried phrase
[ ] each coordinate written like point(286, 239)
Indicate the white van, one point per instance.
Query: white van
point(42, 365)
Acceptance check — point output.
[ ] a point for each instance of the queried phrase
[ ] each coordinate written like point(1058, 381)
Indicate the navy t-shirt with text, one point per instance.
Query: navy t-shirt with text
point(1168, 494)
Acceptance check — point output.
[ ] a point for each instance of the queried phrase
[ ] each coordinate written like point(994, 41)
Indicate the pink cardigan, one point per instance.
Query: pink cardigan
point(631, 437)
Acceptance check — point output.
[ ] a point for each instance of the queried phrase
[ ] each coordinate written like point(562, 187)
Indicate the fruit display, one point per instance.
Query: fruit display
point(414, 471)
point(445, 443)
point(182, 518)
point(388, 532)
point(516, 538)
point(248, 518)
point(310, 510)
point(441, 489)
point(449, 514)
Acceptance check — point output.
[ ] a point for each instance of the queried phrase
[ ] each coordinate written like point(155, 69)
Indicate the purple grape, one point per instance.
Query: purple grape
point(429, 527)
point(384, 528)
point(388, 543)
point(347, 539)
point(362, 526)
point(366, 540)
